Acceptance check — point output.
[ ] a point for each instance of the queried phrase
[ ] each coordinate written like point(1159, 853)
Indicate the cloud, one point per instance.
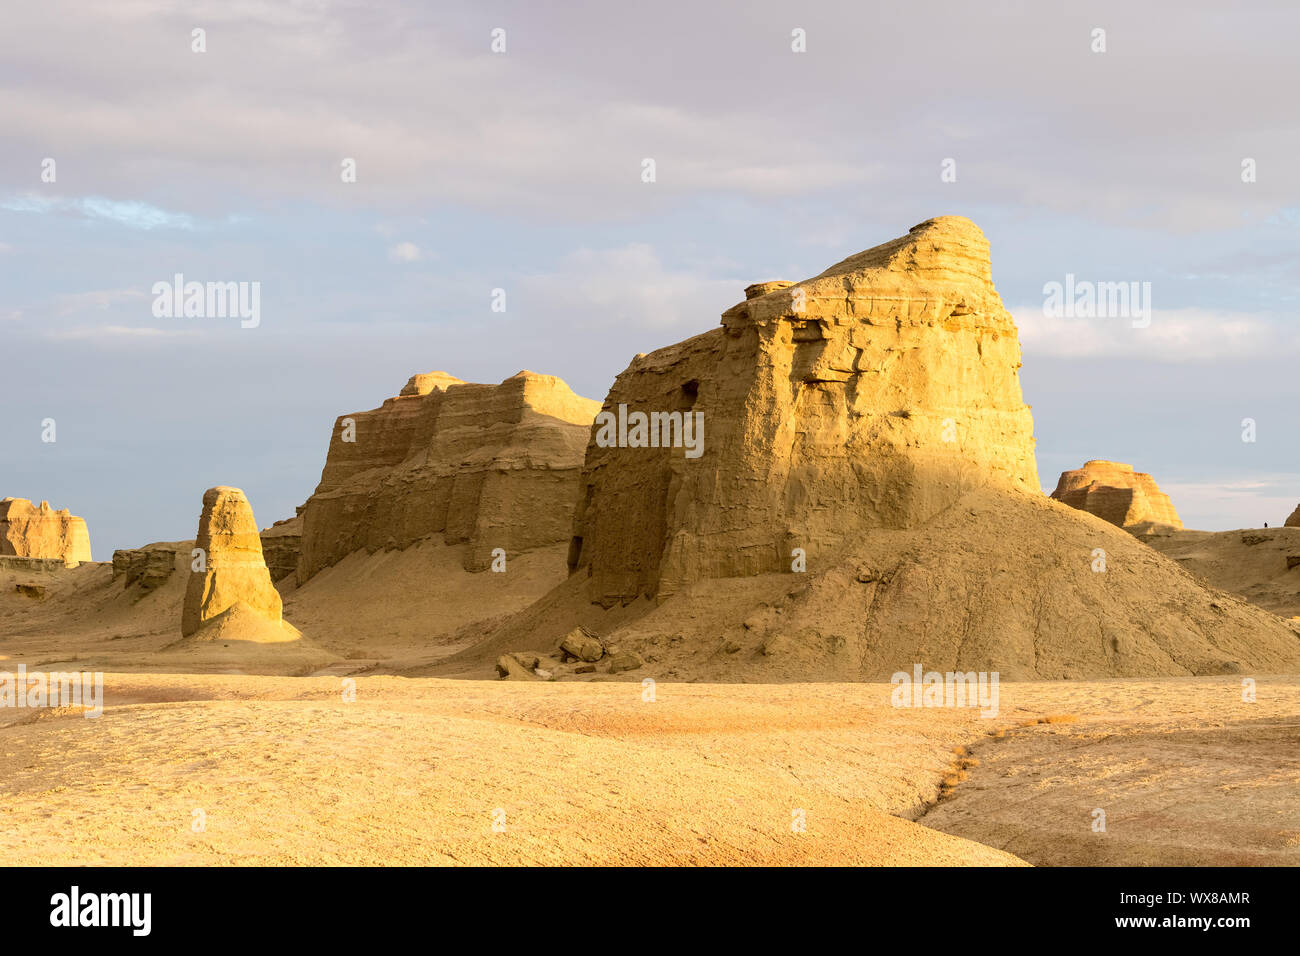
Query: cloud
point(564, 118)
point(1174, 335)
point(405, 252)
point(109, 332)
point(130, 213)
point(629, 285)
point(76, 302)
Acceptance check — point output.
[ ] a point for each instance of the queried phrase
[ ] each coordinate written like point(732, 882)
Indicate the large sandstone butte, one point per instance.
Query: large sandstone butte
point(1114, 492)
point(872, 417)
point(484, 466)
point(871, 396)
point(235, 572)
point(27, 531)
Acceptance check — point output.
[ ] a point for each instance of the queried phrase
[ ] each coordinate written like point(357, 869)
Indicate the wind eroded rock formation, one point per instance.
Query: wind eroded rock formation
point(486, 466)
point(871, 396)
point(234, 572)
point(27, 531)
point(1114, 492)
point(152, 565)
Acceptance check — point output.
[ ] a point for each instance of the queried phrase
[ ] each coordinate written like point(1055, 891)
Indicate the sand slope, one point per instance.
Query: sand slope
point(1251, 562)
point(997, 582)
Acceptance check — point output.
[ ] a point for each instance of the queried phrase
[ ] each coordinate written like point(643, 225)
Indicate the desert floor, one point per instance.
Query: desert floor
point(235, 769)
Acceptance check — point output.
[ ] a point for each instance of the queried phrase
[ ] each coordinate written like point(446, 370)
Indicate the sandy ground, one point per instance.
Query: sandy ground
point(427, 770)
point(391, 610)
point(1185, 771)
point(1251, 562)
point(285, 771)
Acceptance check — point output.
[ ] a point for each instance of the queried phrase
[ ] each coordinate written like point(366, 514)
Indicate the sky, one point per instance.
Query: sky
point(521, 169)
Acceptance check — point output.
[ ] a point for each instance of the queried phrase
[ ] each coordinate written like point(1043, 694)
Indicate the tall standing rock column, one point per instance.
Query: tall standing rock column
point(234, 569)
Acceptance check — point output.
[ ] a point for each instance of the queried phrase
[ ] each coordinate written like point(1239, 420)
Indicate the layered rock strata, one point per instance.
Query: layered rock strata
point(28, 531)
point(870, 396)
point(484, 466)
point(1114, 492)
point(233, 570)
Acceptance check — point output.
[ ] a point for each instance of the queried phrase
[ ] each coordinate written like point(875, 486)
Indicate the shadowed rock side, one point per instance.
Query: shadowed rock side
point(487, 466)
point(151, 566)
point(872, 417)
point(871, 396)
point(1293, 519)
point(27, 531)
point(282, 547)
point(234, 571)
point(1114, 492)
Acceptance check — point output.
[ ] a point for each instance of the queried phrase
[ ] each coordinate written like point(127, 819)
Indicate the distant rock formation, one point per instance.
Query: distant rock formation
point(12, 562)
point(30, 532)
point(150, 566)
point(282, 547)
point(870, 396)
point(234, 570)
point(487, 466)
point(1114, 492)
point(1294, 520)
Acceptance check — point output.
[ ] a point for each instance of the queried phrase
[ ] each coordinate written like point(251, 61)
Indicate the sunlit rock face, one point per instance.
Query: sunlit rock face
point(1114, 492)
point(870, 396)
point(484, 466)
point(233, 570)
point(28, 531)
